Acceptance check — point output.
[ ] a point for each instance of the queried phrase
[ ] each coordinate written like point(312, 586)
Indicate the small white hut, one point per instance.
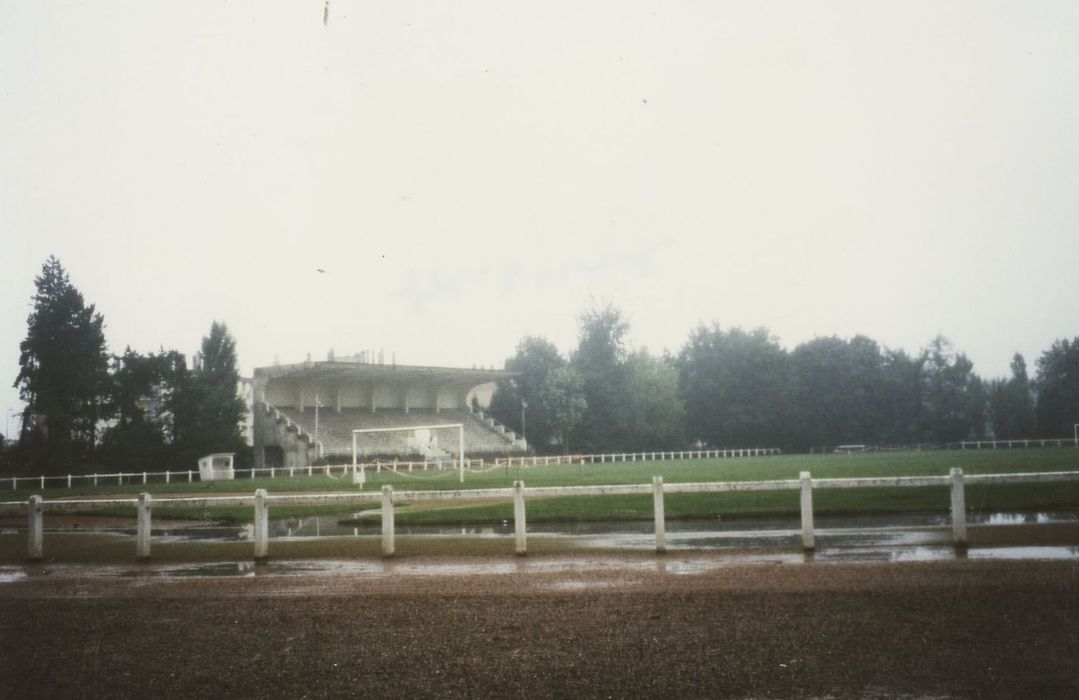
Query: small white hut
point(217, 467)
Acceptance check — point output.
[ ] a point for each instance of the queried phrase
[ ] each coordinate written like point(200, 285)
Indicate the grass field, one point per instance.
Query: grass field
point(1027, 496)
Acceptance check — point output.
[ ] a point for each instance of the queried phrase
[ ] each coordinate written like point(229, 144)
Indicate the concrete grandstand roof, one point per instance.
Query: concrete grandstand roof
point(338, 371)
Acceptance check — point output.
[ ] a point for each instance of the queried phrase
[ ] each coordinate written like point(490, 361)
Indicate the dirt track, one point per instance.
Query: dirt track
point(614, 627)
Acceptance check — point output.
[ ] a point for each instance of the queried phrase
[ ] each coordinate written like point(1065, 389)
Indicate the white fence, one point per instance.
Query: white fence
point(191, 475)
point(1011, 444)
point(963, 445)
point(261, 501)
point(537, 461)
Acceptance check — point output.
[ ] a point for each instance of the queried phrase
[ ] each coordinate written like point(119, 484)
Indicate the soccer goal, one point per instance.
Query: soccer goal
point(418, 431)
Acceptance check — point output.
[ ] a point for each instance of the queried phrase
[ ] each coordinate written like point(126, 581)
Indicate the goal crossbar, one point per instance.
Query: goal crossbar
point(413, 428)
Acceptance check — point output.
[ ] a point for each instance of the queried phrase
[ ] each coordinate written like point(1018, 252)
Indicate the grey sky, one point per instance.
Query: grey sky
point(470, 172)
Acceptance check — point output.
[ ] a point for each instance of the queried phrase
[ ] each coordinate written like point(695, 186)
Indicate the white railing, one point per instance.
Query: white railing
point(399, 466)
point(658, 456)
point(301, 432)
point(1032, 442)
point(261, 501)
point(963, 445)
point(499, 429)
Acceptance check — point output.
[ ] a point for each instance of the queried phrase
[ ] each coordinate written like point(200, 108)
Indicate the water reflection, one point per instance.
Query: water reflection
point(698, 532)
point(9, 575)
point(889, 537)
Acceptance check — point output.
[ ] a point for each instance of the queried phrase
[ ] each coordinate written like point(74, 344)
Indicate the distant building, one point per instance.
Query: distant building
point(354, 393)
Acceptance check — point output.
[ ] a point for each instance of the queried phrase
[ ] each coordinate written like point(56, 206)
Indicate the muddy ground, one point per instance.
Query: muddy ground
point(620, 626)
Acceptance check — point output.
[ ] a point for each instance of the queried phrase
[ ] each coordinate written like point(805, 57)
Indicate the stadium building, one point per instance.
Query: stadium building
point(307, 412)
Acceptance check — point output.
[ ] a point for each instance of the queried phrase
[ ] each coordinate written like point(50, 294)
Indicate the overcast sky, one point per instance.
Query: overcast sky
point(470, 172)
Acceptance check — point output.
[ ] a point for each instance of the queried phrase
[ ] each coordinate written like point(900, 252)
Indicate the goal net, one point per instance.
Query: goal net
point(433, 442)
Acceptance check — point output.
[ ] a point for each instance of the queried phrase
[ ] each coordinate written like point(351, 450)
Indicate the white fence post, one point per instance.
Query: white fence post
point(521, 544)
point(69, 481)
point(189, 476)
point(661, 525)
point(35, 542)
point(387, 521)
point(807, 511)
point(142, 531)
point(262, 525)
point(168, 476)
point(959, 510)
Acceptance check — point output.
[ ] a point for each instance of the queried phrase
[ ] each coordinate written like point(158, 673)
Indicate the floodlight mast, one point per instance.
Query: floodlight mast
point(318, 447)
point(461, 453)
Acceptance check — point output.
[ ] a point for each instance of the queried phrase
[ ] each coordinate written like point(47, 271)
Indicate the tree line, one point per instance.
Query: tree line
point(725, 387)
point(86, 408)
point(729, 387)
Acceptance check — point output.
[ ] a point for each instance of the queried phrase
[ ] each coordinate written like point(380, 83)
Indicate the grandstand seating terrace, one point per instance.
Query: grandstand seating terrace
point(335, 430)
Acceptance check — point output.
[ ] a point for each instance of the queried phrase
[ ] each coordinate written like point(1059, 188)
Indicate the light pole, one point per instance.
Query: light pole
point(8, 414)
point(318, 450)
point(524, 405)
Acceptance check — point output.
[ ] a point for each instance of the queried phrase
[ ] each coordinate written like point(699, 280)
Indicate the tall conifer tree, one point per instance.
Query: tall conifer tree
point(63, 372)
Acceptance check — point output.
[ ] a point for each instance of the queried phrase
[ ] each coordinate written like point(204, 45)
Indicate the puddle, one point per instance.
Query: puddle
point(691, 532)
point(695, 567)
point(1024, 553)
point(585, 585)
point(710, 533)
point(243, 569)
point(577, 571)
point(694, 546)
point(10, 575)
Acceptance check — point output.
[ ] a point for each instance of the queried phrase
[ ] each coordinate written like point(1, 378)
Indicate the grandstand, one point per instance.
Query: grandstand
point(352, 393)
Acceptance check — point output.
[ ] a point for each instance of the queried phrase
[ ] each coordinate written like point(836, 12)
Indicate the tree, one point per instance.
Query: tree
point(181, 398)
point(136, 438)
point(534, 360)
point(218, 371)
point(134, 386)
point(654, 411)
point(953, 396)
point(735, 387)
point(1058, 388)
point(599, 358)
point(63, 371)
point(561, 398)
point(632, 398)
point(1011, 404)
point(835, 391)
point(900, 400)
point(204, 410)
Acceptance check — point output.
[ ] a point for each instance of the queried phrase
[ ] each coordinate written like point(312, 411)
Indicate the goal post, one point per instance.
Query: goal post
point(412, 429)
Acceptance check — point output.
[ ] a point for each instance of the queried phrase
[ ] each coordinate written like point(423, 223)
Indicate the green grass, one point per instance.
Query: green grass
point(1027, 496)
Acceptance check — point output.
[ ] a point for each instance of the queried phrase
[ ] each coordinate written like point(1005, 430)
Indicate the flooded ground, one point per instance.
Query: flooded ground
point(628, 624)
point(302, 546)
